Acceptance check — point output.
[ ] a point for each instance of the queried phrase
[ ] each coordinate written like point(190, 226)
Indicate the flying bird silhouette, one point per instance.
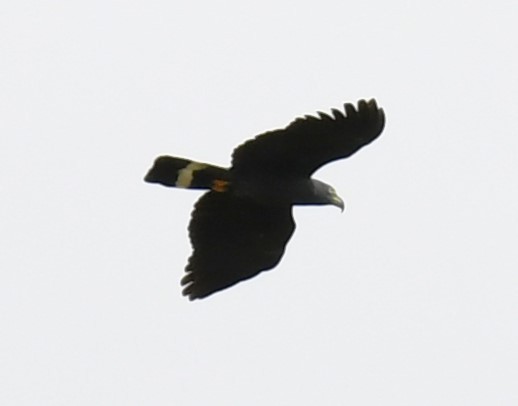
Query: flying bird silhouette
point(241, 226)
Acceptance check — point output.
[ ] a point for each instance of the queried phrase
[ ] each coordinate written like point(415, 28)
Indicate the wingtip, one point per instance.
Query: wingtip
point(371, 109)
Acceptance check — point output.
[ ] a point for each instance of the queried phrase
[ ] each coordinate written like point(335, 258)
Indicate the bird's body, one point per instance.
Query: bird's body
point(242, 225)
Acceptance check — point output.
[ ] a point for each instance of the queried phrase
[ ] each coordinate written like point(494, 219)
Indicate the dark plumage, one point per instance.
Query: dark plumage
point(242, 225)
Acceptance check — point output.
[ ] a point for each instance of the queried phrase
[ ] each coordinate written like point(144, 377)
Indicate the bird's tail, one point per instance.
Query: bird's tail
point(183, 173)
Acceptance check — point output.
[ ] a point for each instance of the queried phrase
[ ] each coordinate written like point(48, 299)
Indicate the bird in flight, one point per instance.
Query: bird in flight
point(241, 226)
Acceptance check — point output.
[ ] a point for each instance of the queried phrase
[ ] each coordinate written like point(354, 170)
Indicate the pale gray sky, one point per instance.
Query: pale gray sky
point(408, 298)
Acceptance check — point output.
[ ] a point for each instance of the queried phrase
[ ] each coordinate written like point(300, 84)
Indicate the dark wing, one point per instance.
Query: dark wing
point(310, 142)
point(233, 239)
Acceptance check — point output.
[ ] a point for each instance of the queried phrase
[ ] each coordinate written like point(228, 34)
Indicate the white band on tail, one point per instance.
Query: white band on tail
point(186, 174)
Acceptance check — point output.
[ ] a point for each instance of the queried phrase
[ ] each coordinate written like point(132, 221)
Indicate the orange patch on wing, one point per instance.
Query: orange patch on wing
point(219, 185)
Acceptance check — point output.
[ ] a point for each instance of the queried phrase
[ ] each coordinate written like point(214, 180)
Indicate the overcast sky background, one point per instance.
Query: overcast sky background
point(408, 298)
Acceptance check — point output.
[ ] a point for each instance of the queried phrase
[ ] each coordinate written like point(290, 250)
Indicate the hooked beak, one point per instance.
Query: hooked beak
point(338, 202)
